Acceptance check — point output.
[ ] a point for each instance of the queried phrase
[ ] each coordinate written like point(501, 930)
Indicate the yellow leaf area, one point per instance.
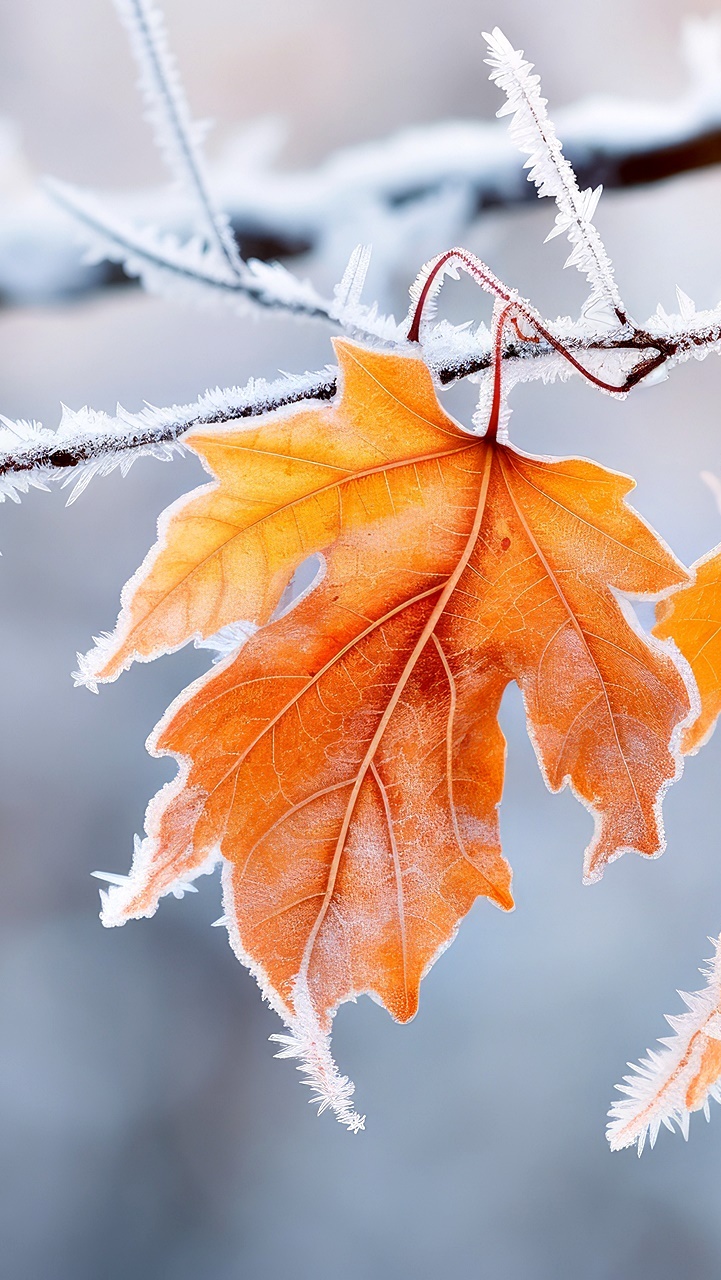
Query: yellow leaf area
point(347, 762)
point(692, 619)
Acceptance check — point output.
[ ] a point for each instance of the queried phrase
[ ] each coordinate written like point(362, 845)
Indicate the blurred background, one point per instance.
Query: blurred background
point(147, 1131)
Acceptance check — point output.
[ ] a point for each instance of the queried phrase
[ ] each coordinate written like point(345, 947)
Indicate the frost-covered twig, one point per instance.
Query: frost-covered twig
point(669, 1084)
point(88, 443)
point(211, 265)
point(217, 269)
point(613, 352)
point(535, 135)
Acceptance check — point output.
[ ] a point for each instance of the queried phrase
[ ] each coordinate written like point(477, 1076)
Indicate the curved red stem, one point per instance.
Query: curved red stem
point(473, 267)
point(484, 277)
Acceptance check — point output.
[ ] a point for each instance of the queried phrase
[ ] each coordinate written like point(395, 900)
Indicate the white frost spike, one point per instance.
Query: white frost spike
point(330, 1090)
point(600, 313)
point(662, 320)
point(111, 442)
point(11, 486)
point(124, 890)
point(347, 308)
point(177, 135)
point(83, 475)
point(159, 259)
point(110, 877)
point(274, 282)
point(667, 1085)
point(306, 1040)
point(128, 898)
point(687, 307)
point(21, 429)
point(230, 639)
point(348, 292)
point(188, 270)
point(535, 136)
point(449, 270)
point(181, 887)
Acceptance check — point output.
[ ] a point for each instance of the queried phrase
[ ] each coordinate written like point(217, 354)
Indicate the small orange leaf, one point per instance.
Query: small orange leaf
point(347, 762)
point(691, 618)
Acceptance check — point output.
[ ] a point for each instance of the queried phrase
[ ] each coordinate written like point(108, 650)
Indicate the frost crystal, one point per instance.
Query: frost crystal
point(670, 1083)
point(535, 135)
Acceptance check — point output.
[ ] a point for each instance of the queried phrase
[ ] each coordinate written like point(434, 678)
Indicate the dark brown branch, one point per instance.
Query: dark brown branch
point(54, 455)
point(46, 454)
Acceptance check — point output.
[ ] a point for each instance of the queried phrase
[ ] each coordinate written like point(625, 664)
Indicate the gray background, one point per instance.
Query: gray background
point(146, 1130)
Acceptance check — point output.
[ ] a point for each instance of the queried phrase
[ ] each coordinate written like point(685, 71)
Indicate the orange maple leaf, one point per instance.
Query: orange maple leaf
point(347, 762)
point(691, 618)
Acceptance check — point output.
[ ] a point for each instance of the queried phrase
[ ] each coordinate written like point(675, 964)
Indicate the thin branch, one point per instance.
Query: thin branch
point(177, 135)
point(92, 442)
point(161, 261)
point(428, 283)
point(535, 135)
point(165, 265)
point(88, 442)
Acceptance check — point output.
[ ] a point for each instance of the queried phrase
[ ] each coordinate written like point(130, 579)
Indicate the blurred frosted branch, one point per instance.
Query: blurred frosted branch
point(446, 174)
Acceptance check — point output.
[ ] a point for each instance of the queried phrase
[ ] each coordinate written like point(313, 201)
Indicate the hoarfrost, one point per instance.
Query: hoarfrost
point(535, 135)
point(666, 1086)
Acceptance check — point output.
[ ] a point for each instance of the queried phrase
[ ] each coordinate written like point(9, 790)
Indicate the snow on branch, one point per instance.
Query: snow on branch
point(212, 263)
point(165, 264)
point(162, 261)
point(375, 191)
point(209, 265)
